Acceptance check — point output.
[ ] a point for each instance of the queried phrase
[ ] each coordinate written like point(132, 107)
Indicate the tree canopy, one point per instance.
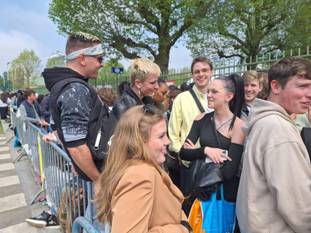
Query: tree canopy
point(245, 29)
point(56, 60)
point(132, 28)
point(24, 69)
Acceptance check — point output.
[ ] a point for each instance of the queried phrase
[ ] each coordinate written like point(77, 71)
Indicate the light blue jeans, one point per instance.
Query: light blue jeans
point(91, 213)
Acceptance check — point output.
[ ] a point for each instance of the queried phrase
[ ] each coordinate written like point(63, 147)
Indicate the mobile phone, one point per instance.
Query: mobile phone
point(224, 153)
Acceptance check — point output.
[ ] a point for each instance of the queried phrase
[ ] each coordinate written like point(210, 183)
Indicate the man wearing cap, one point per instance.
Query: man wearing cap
point(74, 103)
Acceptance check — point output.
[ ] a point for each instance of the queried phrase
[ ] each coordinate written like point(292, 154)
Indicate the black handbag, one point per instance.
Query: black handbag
point(172, 161)
point(204, 177)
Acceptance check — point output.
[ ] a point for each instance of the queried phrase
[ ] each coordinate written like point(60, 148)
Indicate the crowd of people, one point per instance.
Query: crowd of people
point(222, 154)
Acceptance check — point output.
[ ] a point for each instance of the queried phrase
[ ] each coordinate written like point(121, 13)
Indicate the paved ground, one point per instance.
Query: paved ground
point(17, 189)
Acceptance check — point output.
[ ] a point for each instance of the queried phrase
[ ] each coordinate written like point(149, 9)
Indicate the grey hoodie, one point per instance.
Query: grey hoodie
point(275, 188)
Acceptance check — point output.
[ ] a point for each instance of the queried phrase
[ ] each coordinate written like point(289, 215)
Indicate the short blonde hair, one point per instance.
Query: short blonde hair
point(141, 67)
point(251, 75)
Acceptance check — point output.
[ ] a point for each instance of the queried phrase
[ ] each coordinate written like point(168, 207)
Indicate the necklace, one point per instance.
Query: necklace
point(222, 124)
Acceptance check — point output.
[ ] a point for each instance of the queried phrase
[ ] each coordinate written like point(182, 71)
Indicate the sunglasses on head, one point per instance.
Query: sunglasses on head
point(149, 109)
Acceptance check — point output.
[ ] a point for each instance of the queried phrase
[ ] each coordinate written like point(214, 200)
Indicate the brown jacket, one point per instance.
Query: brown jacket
point(142, 203)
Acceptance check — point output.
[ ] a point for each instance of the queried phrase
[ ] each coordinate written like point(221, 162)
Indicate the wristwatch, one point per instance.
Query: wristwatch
point(187, 225)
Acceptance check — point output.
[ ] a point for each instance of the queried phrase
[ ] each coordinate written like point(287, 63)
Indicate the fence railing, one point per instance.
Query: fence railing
point(68, 196)
point(221, 68)
point(228, 66)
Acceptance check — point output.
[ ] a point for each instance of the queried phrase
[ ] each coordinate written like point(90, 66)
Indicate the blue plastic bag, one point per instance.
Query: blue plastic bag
point(218, 215)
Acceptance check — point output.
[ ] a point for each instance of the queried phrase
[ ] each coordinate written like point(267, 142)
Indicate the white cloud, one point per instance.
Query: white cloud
point(25, 27)
point(12, 43)
point(17, 18)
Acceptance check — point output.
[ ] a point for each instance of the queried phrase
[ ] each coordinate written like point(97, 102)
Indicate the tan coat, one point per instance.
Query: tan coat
point(142, 203)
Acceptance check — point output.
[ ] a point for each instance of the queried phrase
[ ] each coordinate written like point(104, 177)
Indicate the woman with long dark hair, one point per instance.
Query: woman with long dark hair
point(221, 138)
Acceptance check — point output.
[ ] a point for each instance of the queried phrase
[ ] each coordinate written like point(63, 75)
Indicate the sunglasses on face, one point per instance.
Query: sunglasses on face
point(100, 59)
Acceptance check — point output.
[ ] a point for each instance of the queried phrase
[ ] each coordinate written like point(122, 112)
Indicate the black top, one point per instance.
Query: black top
point(204, 131)
point(127, 99)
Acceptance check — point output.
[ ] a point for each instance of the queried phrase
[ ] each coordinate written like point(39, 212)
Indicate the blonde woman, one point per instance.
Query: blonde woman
point(144, 76)
point(133, 193)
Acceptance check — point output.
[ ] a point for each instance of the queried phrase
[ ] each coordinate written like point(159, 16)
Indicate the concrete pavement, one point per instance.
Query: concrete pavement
point(17, 188)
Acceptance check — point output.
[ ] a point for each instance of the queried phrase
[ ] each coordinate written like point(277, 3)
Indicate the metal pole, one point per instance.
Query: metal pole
point(7, 76)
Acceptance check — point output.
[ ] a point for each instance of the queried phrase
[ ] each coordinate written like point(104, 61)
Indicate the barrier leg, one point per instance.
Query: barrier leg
point(42, 176)
point(37, 195)
point(21, 154)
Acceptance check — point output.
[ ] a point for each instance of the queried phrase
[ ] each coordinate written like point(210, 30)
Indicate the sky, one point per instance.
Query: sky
point(25, 24)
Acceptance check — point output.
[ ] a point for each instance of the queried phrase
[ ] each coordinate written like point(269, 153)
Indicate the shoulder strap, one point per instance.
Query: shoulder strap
point(59, 86)
point(215, 131)
point(197, 101)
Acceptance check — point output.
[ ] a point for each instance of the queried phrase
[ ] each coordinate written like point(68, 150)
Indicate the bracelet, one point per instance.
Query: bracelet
point(186, 225)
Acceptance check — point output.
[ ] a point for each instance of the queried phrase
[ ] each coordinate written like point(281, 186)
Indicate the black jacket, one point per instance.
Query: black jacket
point(127, 99)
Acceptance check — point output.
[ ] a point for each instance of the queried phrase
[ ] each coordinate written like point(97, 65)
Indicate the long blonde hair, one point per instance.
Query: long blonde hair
point(127, 148)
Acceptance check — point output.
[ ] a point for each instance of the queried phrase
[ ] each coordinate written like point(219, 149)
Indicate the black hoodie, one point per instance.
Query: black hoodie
point(54, 75)
point(74, 105)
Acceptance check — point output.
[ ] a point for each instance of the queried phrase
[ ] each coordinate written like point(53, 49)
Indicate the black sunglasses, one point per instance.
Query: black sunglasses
point(149, 109)
point(98, 58)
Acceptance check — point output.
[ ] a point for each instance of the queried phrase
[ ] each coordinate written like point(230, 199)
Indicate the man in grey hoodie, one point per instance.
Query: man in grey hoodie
point(275, 188)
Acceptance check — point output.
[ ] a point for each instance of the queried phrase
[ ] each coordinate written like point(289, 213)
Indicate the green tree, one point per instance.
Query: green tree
point(299, 31)
point(131, 28)
point(25, 69)
point(243, 28)
point(2, 82)
point(56, 60)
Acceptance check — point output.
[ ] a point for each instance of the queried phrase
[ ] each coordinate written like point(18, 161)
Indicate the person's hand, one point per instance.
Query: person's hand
point(43, 123)
point(189, 144)
point(49, 137)
point(216, 155)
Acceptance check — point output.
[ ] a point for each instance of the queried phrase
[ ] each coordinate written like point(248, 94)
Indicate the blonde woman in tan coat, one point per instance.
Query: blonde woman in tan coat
point(134, 194)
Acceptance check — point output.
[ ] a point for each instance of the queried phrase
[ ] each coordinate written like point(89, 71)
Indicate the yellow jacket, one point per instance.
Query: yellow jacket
point(183, 113)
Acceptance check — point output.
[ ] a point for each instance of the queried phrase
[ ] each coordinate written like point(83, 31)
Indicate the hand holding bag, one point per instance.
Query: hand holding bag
point(204, 177)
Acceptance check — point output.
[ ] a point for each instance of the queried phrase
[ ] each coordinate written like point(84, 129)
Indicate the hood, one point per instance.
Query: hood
point(53, 75)
point(263, 108)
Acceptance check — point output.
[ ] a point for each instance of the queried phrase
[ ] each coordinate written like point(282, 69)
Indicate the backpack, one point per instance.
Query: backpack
point(101, 122)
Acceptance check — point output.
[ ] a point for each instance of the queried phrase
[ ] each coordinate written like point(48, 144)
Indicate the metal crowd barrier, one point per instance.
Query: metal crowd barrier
point(68, 196)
